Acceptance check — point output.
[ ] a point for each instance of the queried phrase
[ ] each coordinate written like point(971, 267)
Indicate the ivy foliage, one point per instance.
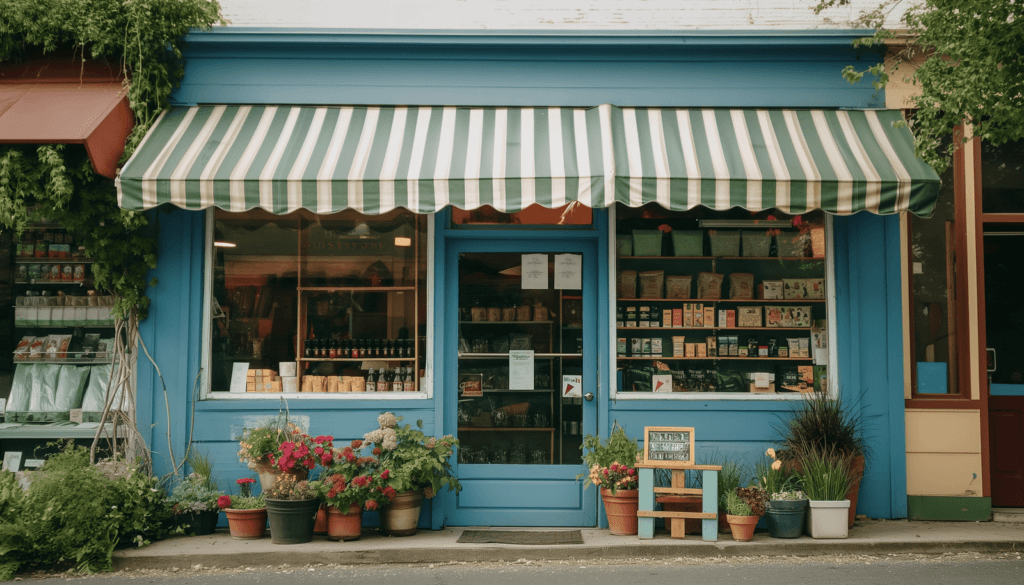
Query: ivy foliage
point(972, 68)
point(144, 38)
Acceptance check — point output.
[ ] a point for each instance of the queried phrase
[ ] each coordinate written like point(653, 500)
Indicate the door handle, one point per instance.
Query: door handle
point(589, 396)
point(991, 358)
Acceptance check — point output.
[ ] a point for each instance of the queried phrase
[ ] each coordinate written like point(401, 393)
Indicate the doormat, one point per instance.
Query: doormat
point(520, 537)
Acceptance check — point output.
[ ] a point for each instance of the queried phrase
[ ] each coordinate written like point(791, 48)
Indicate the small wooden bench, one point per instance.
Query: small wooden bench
point(709, 499)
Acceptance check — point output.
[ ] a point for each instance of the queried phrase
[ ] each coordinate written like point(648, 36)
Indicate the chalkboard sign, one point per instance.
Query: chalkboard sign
point(669, 444)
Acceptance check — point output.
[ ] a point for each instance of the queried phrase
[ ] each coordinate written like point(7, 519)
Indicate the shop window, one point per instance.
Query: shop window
point(933, 297)
point(724, 302)
point(1002, 177)
point(326, 305)
point(571, 215)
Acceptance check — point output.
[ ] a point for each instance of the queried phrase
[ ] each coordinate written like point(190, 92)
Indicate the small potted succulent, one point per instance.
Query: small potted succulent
point(292, 505)
point(246, 513)
point(417, 467)
point(746, 506)
point(353, 484)
point(194, 502)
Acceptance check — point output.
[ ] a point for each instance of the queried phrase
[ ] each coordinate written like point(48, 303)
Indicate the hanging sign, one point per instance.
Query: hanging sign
point(568, 271)
point(572, 386)
point(520, 369)
point(535, 271)
point(669, 444)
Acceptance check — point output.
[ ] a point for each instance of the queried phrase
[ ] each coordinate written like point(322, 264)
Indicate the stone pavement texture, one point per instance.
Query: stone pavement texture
point(866, 537)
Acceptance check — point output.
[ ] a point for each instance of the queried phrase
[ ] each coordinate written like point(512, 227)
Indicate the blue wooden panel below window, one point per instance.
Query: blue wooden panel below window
point(519, 494)
point(1007, 390)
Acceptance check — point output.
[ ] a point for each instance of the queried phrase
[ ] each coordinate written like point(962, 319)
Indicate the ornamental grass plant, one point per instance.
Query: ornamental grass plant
point(821, 423)
point(824, 475)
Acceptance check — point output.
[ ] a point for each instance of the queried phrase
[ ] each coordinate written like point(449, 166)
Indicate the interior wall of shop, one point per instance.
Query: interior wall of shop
point(699, 70)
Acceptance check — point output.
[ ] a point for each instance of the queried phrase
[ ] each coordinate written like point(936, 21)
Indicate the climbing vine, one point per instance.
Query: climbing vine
point(144, 39)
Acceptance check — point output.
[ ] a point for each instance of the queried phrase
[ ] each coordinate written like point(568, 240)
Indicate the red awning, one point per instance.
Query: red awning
point(48, 104)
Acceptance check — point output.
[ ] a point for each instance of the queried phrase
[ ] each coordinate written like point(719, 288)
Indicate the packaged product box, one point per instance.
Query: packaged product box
point(734, 347)
point(679, 346)
point(645, 317)
point(815, 288)
point(722, 317)
point(794, 288)
point(646, 346)
point(783, 351)
point(291, 385)
point(802, 316)
point(44, 317)
point(723, 346)
point(688, 315)
point(744, 351)
point(712, 342)
point(773, 290)
point(656, 346)
point(806, 374)
point(805, 347)
point(691, 350)
point(709, 316)
point(636, 347)
point(702, 350)
point(666, 318)
point(93, 316)
point(698, 314)
point(677, 317)
point(762, 351)
point(631, 317)
point(749, 317)
point(620, 346)
point(773, 315)
point(730, 318)
point(21, 316)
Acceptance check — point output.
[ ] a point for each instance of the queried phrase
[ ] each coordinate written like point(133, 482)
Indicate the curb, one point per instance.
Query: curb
point(502, 553)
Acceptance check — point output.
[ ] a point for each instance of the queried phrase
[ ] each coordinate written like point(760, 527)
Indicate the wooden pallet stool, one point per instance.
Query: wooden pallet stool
point(709, 499)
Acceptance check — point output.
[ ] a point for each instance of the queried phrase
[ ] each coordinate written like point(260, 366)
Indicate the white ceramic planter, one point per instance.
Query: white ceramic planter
point(828, 519)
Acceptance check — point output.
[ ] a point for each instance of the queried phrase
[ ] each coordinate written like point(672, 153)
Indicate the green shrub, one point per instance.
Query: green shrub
point(74, 516)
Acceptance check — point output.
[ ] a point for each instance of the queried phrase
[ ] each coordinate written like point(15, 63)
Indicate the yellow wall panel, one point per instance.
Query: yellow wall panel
point(943, 431)
point(944, 474)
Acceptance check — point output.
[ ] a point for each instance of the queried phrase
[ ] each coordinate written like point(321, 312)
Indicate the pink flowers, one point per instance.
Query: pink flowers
point(371, 505)
point(224, 502)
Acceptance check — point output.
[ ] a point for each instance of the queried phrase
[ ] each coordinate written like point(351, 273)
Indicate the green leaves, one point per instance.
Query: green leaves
point(966, 56)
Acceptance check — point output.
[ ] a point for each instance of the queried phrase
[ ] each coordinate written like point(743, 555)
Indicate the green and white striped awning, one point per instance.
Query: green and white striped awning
point(374, 159)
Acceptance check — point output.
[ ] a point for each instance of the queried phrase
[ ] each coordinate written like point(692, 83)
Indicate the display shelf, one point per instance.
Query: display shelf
point(66, 361)
point(505, 322)
point(715, 358)
point(54, 282)
point(355, 288)
point(65, 327)
point(713, 328)
point(54, 261)
point(744, 301)
point(358, 359)
point(512, 391)
point(490, 356)
point(781, 258)
point(509, 429)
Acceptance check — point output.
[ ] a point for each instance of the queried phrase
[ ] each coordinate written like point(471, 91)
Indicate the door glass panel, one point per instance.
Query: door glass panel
point(520, 359)
point(1004, 314)
point(1002, 177)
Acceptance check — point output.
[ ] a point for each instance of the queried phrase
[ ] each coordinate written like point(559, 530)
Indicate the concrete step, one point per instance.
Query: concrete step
point(1014, 515)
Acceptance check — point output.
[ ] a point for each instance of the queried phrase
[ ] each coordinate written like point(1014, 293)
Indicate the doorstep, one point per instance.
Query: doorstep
point(425, 547)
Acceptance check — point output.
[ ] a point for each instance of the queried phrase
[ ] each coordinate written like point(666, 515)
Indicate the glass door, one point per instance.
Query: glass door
point(522, 380)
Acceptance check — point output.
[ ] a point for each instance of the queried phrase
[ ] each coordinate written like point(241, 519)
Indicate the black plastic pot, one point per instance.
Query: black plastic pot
point(199, 523)
point(292, 521)
point(786, 518)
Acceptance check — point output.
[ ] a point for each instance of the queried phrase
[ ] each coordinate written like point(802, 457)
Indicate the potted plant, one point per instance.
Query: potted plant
point(825, 478)
point(194, 502)
point(787, 507)
point(824, 424)
point(246, 513)
point(352, 484)
point(746, 506)
point(417, 466)
point(611, 467)
point(261, 448)
point(291, 508)
point(729, 478)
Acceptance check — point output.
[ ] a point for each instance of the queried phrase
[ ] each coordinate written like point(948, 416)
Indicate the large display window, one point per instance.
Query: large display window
point(734, 304)
point(305, 305)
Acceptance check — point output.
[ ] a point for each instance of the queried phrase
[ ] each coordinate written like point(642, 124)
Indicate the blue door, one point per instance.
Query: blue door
point(521, 379)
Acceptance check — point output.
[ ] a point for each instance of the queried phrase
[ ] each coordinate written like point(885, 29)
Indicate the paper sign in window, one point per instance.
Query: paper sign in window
point(568, 271)
point(520, 369)
point(535, 271)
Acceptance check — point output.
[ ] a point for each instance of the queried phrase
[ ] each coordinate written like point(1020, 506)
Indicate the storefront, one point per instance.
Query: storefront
point(526, 266)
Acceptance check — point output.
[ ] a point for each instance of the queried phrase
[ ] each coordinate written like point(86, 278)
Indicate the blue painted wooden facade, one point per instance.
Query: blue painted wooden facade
point(789, 69)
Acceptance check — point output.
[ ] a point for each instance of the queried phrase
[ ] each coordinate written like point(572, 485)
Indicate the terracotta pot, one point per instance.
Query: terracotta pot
point(320, 527)
point(344, 525)
point(269, 474)
point(247, 524)
point(621, 510)
point(856, 474)
point(742, 527)
point(402, 514)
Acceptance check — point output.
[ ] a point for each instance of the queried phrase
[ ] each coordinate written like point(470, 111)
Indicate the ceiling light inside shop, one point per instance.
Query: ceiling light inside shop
point(403, 242)
point(224, 244)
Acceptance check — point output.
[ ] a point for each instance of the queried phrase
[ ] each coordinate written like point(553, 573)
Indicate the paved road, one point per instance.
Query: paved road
point(990, 569)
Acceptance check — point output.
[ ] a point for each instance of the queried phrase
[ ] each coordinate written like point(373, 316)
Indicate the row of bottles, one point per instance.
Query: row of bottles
point(391, 380)
point(358, 348)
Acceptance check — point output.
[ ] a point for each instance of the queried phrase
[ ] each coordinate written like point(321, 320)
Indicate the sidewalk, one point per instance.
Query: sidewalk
point(866, 537)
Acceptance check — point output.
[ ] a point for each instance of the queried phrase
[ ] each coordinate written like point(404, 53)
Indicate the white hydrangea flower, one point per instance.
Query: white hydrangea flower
point(387, 420)
point(374, 436)
point(390, 441)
